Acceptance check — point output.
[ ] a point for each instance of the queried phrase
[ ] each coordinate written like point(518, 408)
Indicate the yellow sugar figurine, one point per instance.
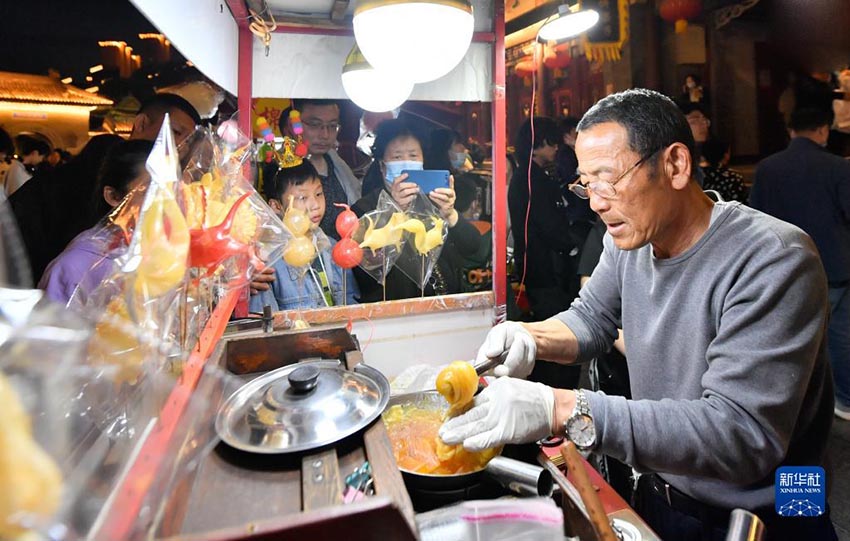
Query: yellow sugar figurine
point(164, 246)
point(115, 343)
point(31, 480)
point(375, 239)
point(457, 383)
point(424, 241)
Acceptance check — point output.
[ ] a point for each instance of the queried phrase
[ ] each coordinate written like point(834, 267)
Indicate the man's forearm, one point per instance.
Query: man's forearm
point(565, 403)
point(555, 341)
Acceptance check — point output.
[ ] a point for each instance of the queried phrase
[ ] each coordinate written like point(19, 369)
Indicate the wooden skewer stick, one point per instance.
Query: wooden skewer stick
point(580, 479)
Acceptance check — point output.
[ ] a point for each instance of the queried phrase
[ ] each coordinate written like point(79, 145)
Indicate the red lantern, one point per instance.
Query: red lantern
point(679, 11)
point(557, 57)
point(526, 68)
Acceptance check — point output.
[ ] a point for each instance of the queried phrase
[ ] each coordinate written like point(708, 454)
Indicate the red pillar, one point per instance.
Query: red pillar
point(500, 188)
point(245, 61)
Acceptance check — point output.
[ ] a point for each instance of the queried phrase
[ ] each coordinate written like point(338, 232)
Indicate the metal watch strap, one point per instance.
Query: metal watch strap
point(581, 409)
point(582, 405)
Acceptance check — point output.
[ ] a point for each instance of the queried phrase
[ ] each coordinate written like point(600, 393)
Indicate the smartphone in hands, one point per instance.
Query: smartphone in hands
point(428, 180)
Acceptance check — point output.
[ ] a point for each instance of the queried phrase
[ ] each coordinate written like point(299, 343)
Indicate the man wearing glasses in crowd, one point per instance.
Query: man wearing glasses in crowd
point(724, 312)
point(320, 119)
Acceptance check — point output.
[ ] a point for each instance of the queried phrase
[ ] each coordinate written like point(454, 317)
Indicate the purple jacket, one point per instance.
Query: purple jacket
point(87, 260)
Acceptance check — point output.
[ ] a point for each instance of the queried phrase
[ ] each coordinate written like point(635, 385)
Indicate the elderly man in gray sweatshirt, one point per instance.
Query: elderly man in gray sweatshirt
point(724, 312)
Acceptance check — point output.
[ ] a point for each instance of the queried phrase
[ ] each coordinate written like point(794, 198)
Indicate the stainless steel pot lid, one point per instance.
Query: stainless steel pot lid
point(301, 407)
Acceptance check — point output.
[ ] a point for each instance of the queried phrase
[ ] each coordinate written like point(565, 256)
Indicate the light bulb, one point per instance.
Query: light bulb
point(418, 41)
point(568, 24)
point(371, 89)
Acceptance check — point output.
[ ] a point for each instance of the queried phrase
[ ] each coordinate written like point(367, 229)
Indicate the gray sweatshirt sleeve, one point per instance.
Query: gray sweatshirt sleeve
point(766, 334)
point(594, 316)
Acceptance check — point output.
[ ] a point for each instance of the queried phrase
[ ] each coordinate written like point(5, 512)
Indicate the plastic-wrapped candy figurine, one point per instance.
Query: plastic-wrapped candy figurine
point(347, 252)
point(424, 240)
point(299, 251)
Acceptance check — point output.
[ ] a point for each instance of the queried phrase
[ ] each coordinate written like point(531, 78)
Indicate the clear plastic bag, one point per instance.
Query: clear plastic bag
point(527, 519)
point(85, 392)
point(136, 307)
point(380, 239)
point(425, 233)
point(72, 439)
point(234, 231)
point(229, 229)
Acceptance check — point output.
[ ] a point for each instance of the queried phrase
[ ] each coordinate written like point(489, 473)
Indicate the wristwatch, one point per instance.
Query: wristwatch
point(579, 427)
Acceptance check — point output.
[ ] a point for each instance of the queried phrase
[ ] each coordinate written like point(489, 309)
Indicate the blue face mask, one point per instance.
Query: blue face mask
point(457, 159)
point(394, 169)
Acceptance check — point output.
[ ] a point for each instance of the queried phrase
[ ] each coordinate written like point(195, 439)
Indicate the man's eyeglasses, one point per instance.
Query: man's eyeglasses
point(602, 184)
point(318, 125)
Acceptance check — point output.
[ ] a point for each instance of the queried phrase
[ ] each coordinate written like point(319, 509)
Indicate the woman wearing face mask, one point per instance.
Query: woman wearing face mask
point(447, 152)
point(398, 148)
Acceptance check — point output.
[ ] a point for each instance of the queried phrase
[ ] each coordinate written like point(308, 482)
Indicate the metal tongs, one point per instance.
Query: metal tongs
point(486, 365)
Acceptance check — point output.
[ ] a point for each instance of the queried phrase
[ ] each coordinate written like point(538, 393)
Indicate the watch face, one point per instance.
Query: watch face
point(580, 431)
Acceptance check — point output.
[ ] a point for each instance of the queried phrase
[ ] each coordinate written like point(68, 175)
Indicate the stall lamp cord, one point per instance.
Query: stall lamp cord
point(534, 59)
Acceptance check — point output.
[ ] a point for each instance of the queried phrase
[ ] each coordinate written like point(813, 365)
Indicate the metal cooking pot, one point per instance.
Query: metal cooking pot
point(513, 474)
point(432, 400)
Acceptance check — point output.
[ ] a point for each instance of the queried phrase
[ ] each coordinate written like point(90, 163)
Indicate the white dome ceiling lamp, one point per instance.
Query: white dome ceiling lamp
point(417, 40)
point(569, 22)
point(371, 89)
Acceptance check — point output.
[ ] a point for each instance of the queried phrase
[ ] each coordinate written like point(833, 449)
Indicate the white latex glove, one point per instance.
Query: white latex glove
point(514, 345)
point(508, 411)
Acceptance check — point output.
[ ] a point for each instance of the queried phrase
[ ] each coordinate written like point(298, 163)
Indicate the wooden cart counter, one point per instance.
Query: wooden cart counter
point(238, 495)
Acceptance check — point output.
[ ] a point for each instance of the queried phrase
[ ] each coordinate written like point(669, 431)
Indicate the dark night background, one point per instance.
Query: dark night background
point(63, 35)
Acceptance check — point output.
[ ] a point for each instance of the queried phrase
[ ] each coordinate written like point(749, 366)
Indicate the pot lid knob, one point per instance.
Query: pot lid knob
point(304, 379)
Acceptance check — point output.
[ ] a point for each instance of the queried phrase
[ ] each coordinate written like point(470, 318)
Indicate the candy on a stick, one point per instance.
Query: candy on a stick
point(375, 239)
point(265, 130)
point(299, 251)
point(347, 253)
point(424, 241)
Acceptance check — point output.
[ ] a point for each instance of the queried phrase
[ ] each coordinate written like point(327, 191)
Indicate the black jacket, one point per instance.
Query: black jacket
point(807, 186)
point(549, 239)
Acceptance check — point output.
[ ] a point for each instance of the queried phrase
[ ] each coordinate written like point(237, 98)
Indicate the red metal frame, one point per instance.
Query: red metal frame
point(245, 74)
point(499, 122)
point(244, 91)
point(239, 10)
point(499, 184)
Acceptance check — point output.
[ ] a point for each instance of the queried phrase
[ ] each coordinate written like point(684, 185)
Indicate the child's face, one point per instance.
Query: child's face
point(308, 197)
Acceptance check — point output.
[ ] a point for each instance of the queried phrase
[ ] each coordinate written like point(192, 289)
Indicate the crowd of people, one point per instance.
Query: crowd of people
point(61, 208)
